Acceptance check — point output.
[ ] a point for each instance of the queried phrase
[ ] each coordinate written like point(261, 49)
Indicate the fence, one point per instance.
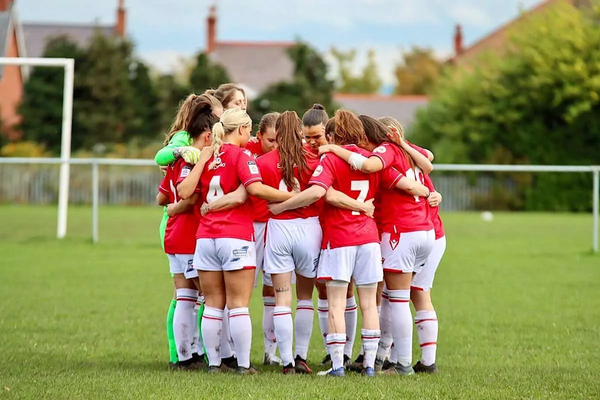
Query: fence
point(115, 182)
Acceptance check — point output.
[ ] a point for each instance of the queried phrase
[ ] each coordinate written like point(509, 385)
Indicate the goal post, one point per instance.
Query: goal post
point(68, 64)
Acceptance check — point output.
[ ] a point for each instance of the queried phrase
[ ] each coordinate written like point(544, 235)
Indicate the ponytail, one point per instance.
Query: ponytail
point(290, 147)
point(218, 133)
point(231, 120)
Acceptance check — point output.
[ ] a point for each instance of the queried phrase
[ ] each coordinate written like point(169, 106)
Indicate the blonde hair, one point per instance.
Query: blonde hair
point(231, 120)
point(392, 122)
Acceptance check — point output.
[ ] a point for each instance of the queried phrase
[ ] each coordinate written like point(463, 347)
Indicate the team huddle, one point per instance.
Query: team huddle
point(342, 204)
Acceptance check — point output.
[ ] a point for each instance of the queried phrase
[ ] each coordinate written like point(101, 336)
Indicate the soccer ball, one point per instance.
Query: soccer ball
point(487, 216)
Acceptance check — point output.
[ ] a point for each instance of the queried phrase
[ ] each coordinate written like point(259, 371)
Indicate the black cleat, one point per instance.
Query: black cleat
point(230, 362)
point(387, 365)
point(246, 371)
point(199, 360)
point(301, 366)
point(289, 370)
point(187, 365)
point(421, 368)
point(215, 369)
point(357, 365)
point(326, 360)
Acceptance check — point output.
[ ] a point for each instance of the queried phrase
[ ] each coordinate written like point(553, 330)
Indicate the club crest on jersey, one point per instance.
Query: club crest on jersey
point(318, 171)
point(253, 167)
point(380, 149)
point(394, 239)
point(239, 253)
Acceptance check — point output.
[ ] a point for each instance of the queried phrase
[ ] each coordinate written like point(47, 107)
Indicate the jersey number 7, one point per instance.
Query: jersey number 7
point(363, 188)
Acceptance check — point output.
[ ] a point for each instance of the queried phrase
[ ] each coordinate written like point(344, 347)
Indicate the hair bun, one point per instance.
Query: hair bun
point(317, 106)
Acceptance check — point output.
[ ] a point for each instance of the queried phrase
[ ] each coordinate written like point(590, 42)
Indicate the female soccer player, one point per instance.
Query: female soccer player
point(420, 293)
point(351, 248)
point(407, 232)
point(178, 144)
point(313, 128)
point(225, 250)
point(230, 95)
point(179, 241)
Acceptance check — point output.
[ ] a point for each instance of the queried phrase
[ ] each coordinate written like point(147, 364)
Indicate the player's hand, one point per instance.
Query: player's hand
point(206, 154)
point(276, 208)
point(191, 155)
point(328, 148)
point(434, 199)
point(204, 209)
point(253, 139)
point(171, 209)
point(369, 208)
point(163, 169)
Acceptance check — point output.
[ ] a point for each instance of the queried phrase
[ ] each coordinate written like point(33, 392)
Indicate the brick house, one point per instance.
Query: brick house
point(28, 40)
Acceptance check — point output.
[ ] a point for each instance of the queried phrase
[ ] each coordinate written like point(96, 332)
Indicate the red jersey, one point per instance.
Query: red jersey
point(434, 212)
point(401, 211)
point(272, 176)
point(343, 227)
point(236, 166)
point(179, 234)
point(255, 148)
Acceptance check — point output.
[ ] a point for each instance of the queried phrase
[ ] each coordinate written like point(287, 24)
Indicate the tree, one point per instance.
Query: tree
point(418, 72)
point(146, 104)
point(41, 108)
point(367, 82)
point(108, 110)
point(170, 93)
point(309, 85)
point(538, 103)
point(207, 74)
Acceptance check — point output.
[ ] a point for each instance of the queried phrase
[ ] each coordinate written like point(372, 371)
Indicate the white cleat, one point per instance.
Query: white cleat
point(272, 359)
point(324, 373)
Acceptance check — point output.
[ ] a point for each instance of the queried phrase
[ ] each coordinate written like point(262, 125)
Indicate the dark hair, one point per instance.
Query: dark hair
point(315, 116)
point(348, 129)
point(184, 113)
point(202, 118)
point(290, 147)
point(225, 93)
point(376, 133)
point(268, 121)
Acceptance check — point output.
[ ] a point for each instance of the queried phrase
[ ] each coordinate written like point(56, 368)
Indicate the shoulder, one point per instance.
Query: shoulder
point(181, 137)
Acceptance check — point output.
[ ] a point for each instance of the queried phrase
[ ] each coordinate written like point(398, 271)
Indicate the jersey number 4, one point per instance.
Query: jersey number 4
point(363, 188)
point(215, 191)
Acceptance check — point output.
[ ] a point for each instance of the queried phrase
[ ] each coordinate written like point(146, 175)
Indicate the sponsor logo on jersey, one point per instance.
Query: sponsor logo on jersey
point(318, 171)
point(239, 253)
point(253, 167)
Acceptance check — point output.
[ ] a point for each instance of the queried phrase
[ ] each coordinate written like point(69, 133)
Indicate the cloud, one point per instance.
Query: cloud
point(468, 14)
point(165, 61)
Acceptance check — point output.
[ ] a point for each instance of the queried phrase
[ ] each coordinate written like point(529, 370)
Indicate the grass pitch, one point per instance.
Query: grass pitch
point(517, 300)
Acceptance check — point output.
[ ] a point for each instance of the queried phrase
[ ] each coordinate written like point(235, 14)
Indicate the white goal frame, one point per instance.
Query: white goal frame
point(68, 64)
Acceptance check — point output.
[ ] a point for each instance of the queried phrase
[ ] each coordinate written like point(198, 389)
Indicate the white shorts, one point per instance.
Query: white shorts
point(224, 254)
point(424, 279)
point(182, 264)
point(407, 252)
point(293, 245)
point(361, 263)
point(259, 235)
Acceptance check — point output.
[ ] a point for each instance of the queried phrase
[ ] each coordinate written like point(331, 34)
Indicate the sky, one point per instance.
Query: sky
point(165, 30)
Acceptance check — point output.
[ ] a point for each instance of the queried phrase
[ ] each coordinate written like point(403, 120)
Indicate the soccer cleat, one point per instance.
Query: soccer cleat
point(289, 370)
point(337, 372)
point(199, 360)
point(301, 366)
point(378, 364)
point(324, 373)
point(326, 360)
point(214, 369)
point(230, 362)
point(421, 368)
point(368, 371)
point(187, 365)
point(246, 371)
point(225, 368)
point(357, 365)
point(387, 365)
point(272, 359)
point(347, 360)
point(399, 370)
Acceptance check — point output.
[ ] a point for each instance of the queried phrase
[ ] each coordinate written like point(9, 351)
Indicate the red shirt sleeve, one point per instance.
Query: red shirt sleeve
point(385, 154)
point(323, 174)
point(390, 177)
point(164, 184)
point(247, 168)
point(417, 148)
point(184, 171)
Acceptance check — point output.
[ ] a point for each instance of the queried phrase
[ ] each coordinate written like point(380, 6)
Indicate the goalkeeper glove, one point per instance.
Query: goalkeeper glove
point(191, 155)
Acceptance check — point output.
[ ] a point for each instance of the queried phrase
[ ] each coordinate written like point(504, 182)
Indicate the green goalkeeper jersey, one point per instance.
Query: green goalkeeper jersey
point(165, 155)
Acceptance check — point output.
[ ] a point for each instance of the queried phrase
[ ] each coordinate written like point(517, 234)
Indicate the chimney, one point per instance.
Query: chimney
point(458, 40)
point(211, 29)
point(120, 27)
point(5, 4)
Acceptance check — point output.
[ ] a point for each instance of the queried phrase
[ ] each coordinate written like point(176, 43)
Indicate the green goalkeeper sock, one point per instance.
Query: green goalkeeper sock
point(170, 335)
